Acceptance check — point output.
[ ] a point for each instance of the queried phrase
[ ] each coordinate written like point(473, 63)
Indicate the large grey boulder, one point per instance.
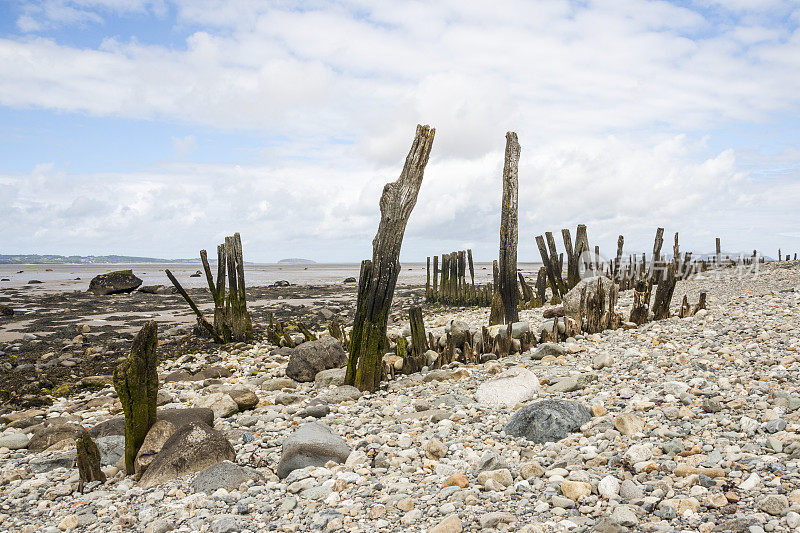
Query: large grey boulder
point(223, 475)
point(117, 282)
point(572, 300)
point(190, 449)
point(459, 332)
point(314, 444)
point(177, 417)
point(52, 432)
point(548, 420)
point(312, 357)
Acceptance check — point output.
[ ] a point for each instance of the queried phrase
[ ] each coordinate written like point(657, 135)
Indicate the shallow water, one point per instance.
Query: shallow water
point(56, 278)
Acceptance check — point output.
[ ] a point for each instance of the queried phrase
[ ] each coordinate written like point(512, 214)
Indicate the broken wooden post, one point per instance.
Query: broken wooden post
point(136, 383)
point(419, 343)
point(541, 285)
point(379, 276)
point(686, 309)
point(582, 246)
point(240, 323)
point(87, 455)
point(664, 292)
point(557, 262)
point(573, 270)
point(428, 279)
point(507, 286)
point(641, 306)
point(217, 291)
point(618, 258)
point(200, 318)
point(548, 266)
point(527, 292)
point(435, 278)
point(701, 303)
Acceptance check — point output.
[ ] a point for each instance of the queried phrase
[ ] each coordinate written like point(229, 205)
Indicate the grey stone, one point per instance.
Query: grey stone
point(572, 300)
point(518, 328)
point(14, 441)
point(548, 348)
point(226, 524)
point(223, 475)
point(312, 357)
point(773, 504)
point(191, 448)
point(572, 383)
point(314, 444)
point(319, 410)
point(459, 332)
point(340, 394)
point(548, 420)
point(278, 384)
point(120, 281)
point(490, 460)
point(333, 377)
point(111, 449)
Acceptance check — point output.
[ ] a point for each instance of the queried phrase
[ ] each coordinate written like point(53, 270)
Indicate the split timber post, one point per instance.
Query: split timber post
point(582, 246)
point(236, 307)
point(507, 279)
point(136, 383)
point(618, 258)
point(87, 455)
point(548, 266)
point(419, 343)
point(378, 277)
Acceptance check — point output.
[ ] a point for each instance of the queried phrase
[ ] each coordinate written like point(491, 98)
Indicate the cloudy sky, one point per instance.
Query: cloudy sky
point(157, 127)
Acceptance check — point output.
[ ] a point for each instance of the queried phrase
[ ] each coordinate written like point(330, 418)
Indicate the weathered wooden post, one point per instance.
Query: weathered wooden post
point(548, 266)
point(664, 292)
point(241, 325)
point(573, 270)
point(618, 258)
point(136, 383)
point(87, 455)
point(508, 230)
point(719, 253)
point(379, 276)
point(221, 325)
point(428, 279)
point(435, 278)
point(541, 285)
point(582, 246)
point(419, 343)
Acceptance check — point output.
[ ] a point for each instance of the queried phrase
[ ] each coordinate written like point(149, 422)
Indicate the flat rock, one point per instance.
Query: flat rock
point(340, 394)
point(314, 444)
point(14, 441)
point(548, 348)
point(548, 420)
point(223, 475)
point(190, 449)
point(512, 386)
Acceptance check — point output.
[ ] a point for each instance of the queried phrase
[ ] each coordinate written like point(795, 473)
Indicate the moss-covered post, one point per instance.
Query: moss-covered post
point(379, 276)
point(419, 342)
point(507, 279)
point(136, 383)
point(87, 455)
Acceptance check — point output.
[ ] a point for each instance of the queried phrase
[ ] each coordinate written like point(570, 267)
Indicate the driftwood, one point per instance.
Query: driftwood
point(87, 455)
point(507, 279)
point(136, 383)
point(378, 277)
point(200, 318)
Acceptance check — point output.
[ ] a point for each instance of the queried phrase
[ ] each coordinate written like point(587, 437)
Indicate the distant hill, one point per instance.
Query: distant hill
point(36, 259)
point(296, 261)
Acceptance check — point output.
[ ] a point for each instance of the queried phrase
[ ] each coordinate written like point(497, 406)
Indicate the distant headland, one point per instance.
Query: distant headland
point(36, 259)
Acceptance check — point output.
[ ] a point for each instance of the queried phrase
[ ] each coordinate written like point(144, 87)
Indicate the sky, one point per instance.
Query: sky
point(157, 127)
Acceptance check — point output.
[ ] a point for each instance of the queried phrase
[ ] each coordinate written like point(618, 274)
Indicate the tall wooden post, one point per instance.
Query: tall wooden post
point(719, 253)
point(435, 277)
point(508, 230)
point(582, 246)
point(618, 258)
point(379, 276)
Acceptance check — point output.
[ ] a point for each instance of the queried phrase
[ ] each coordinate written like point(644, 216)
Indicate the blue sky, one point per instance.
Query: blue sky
point(156, 127)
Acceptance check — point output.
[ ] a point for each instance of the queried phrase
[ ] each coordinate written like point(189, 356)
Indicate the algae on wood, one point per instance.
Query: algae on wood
point(136, 383)
point(87, 455)
point(378, 277)
point(507, 278)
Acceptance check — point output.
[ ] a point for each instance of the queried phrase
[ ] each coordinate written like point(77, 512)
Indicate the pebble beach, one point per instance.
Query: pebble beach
point(677, 425)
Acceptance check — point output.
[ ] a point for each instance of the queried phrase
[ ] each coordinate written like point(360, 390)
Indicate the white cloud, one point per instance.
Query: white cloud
point(611, 101)
point(611, 185)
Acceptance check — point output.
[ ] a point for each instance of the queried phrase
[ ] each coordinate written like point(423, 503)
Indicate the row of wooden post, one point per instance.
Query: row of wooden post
point(449, 285)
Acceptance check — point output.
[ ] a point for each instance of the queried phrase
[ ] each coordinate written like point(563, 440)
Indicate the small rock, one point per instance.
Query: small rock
point(574, 490)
